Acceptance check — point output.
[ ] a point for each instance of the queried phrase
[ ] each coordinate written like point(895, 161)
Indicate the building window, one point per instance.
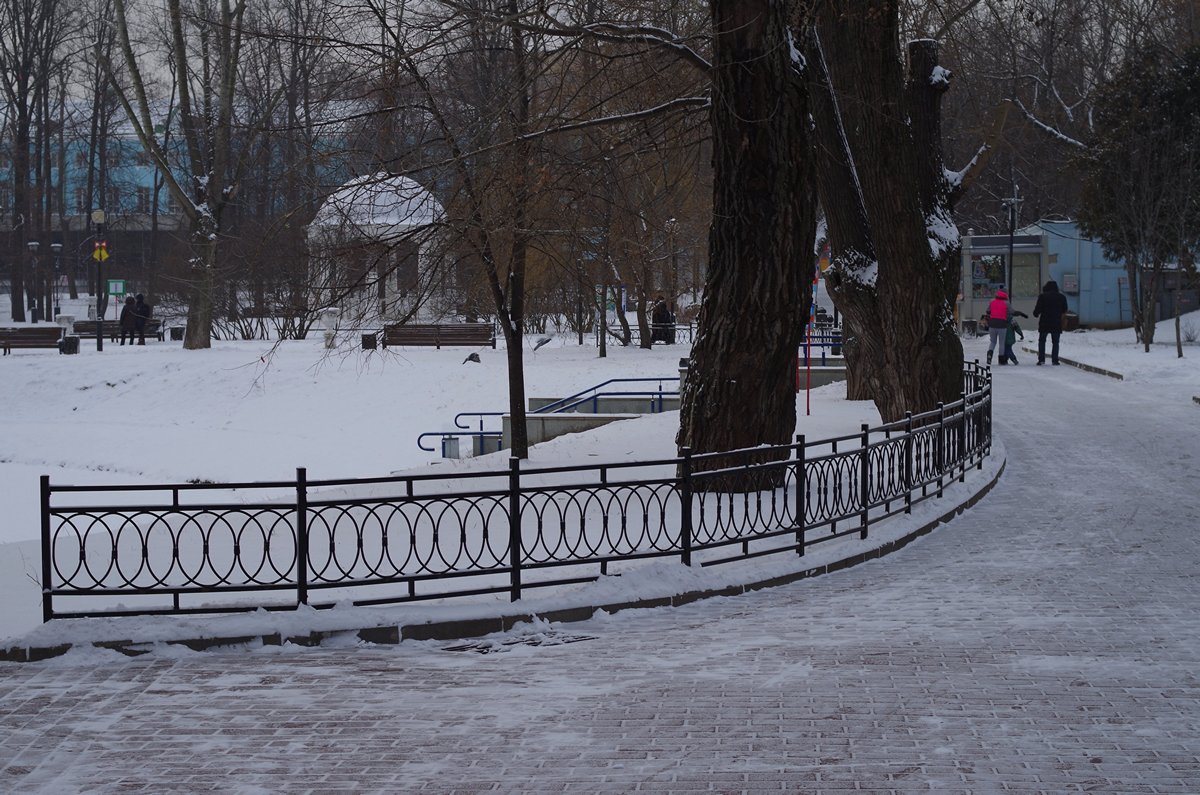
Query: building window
point(1026, 275)
point(987, 275)
point(143, 200)
point(113, 203)
point(172, 206)
point(81, 201)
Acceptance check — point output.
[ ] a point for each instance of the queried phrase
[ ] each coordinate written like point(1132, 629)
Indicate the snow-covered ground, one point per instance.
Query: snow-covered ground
point(256, 411)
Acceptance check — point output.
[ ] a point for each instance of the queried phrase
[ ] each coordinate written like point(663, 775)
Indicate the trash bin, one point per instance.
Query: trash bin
point(69, 344)
point(176, 333)
point(1070, 321)
point(369, 343)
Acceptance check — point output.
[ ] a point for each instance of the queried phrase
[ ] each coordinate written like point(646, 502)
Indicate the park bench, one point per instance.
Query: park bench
point(30, 337)
point(438, 335)
point(112, 328)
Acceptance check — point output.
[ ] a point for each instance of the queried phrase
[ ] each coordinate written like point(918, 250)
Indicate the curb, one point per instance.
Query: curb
point(478, 627)
point(1080, 365)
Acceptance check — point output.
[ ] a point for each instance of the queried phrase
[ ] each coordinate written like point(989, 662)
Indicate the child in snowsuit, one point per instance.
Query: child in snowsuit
point(1010, 337)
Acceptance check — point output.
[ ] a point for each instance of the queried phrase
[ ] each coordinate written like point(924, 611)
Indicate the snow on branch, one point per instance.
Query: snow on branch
point(630, 34)
point(1046, 128)
point(648, 34)
point(678, 104)
point(942, 232)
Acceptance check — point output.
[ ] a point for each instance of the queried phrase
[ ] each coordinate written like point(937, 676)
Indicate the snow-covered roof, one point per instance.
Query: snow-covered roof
point(377, 206)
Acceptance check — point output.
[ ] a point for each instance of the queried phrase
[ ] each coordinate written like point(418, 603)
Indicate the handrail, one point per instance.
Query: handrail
point(564, 404)
point(549, 408)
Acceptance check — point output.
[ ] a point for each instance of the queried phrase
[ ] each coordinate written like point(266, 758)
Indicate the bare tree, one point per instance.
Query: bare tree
point(205, 44)
point(31, 32)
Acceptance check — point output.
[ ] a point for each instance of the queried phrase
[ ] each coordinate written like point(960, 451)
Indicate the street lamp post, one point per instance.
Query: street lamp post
point(39, 306)
point(56, 247)
point(98, 220)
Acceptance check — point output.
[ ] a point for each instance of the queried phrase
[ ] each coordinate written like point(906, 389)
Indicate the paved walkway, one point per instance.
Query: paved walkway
point(1047, 641)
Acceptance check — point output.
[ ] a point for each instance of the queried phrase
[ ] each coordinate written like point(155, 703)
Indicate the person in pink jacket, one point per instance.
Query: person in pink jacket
point(997, 323)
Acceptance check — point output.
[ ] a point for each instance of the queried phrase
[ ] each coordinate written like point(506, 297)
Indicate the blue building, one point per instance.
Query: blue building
point(1096, 287)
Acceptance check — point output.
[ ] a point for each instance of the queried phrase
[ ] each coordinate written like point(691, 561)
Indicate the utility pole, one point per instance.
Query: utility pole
point(1012, 202)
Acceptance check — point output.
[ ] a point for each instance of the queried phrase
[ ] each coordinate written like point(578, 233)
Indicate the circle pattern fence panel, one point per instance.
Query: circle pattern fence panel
point(166, 548)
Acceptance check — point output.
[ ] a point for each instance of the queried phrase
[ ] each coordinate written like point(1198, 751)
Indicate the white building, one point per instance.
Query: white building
point(375, 251)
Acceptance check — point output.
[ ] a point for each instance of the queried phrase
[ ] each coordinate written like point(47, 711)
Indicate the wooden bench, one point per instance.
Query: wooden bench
point(30, 337)
point(112, 328)
point(474, 334)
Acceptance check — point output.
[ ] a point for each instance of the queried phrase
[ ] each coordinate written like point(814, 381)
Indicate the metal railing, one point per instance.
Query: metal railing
point(679, 333)
point(590, 397)
point(818, 345)
point(205, 547)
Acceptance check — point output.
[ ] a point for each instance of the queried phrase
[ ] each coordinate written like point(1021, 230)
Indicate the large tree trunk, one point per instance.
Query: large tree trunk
point(740, 391)
point(895, 267)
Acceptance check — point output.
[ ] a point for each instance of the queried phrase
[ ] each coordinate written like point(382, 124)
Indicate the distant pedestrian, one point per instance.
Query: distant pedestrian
point(1010, 337)
point(141, 313)
point(1049, 310)
point(128, 320)
point(997, 316)
point(661, 321)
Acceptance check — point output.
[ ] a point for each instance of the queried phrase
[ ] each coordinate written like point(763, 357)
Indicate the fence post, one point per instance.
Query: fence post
point(962, 439)
point(865, 484)
point(940, 451)
point(301, 536)
point(990, 401)
point(514, 526)
point(801, 494)
point(685, 506)
point(979, 420)
point(47, 601)
point(908, 461)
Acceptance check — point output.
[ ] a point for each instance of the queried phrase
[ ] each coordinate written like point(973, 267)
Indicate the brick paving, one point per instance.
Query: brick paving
point(1045, 642)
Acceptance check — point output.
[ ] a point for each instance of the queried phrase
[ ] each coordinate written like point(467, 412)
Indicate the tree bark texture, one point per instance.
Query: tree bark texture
point(896, 252)
point(740, 391)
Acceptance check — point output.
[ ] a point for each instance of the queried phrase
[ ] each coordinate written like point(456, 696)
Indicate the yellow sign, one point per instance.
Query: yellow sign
point(100, 251)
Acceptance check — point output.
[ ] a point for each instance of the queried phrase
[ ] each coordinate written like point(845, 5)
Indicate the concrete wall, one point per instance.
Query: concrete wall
point(821, 376)
point(543, 427)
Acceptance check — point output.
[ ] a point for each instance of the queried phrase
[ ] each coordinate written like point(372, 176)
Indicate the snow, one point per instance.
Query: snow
point(940, 76)
point(257, 410)
point(1043, 641)
point(378, 206)
point(942, 231)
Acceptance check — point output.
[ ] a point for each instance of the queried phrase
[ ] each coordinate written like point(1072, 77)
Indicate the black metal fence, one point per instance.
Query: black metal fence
point(203, 547)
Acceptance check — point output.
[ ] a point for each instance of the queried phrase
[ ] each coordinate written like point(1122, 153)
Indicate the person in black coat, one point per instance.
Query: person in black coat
point(661, 322)
point(1049, 310)
point(141, 313)
point(127, 322)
